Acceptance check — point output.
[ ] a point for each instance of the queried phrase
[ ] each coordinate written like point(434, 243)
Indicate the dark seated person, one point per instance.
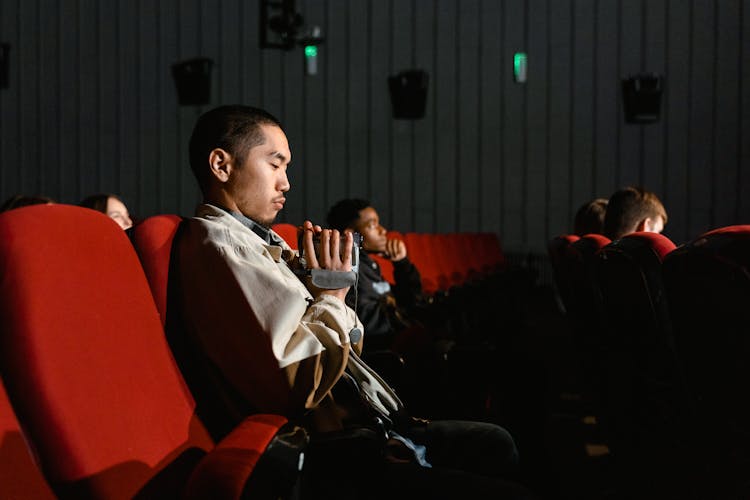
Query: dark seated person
point(384, 310)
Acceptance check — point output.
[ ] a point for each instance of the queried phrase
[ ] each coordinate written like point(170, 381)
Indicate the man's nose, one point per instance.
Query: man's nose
point(284, 183)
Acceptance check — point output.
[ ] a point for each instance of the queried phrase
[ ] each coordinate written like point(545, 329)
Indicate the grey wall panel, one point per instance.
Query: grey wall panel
point(92, 106)
point(606, 98)
point(582, 105)
point(726, 148)
point(467, 126)
point(401, 162)
point(537, 118)
point(426, 57)
point(743, 132)
point(446, 116)
point(109, 99)
point(677, 119)
point(654, 49)
point(380, 117)
point(630, 57)
point(702, 117)
point(513, 160)
point(68, 160)
point(490, 117)
point(88, 116)
point(10, 115)
point(336, 61)
point(559, 94)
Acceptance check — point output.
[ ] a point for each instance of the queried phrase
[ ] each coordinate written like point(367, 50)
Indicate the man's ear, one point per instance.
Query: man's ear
point(646, 225)
point(220, 162)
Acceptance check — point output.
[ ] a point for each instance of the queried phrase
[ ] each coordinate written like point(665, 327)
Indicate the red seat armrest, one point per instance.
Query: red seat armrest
point(227, 471)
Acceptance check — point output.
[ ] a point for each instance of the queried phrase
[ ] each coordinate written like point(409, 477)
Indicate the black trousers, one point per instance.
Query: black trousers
point(469, 460)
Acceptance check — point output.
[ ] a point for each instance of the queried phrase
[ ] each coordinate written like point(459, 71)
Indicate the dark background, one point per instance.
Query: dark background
point(92, 106)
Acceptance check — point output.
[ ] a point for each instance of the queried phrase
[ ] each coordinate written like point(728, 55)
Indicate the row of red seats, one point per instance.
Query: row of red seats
point(96, 406)
point(444, 261)
point(663, 331)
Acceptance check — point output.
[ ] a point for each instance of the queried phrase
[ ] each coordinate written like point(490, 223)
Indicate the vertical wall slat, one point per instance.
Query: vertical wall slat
point(88, 117)
point(654, 49)
point(559, 118)
point(676, 107)
point(109, 109)
point(467, 167)
point(380, 108)
point(726, 148)
point(489, 176)
point(48, 179)
point(335, 70)
point(514, 95)
point(537, 133)
point(170, 157)
point(129, 98)
point(743, 132)
point(700, 154)
point(630, 58)
point(424, 130)
point(68, 123)
point(10, 102)
point(149, 131)
point(582, 120)
point(607, 95)
point(402, 138)
point(310, 89)
point(354, 115)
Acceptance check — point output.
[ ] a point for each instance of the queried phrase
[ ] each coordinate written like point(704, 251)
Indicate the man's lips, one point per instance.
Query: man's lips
point(279, 202)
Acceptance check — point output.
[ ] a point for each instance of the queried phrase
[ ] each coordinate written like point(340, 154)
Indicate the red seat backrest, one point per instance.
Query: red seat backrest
point(19, 475)
point(560, 256)
point(152, 239)
point(288, 232)
point(84, 357)
point(707, 281)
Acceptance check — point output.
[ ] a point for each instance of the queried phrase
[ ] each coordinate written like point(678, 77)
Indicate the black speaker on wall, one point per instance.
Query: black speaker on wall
point(642, 97)
point(193, 81)
point(409, 93)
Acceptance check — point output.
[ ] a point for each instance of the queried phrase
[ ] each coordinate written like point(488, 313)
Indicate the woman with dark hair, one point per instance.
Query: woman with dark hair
point(112, 206)
point(21, 200)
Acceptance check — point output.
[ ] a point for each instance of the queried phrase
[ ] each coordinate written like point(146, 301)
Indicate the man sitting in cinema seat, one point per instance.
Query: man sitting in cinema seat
point(287, 345)
point(633, 209)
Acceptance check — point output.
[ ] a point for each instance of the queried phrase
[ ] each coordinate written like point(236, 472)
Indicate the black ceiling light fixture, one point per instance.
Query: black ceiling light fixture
point(282, 27)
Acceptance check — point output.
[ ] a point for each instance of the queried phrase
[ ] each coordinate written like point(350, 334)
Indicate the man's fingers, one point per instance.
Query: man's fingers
point(309, 247)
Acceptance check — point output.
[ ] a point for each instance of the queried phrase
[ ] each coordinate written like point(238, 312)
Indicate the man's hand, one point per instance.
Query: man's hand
point(395, 250)
point(331, 256)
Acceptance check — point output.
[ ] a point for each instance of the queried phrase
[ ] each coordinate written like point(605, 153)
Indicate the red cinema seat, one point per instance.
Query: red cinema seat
point(420, 254)
point(90, 375)
point(647, 406)
point(559, 252)
point(288, 232)
point(20, 477)
point(152, 239)
point(708, 288)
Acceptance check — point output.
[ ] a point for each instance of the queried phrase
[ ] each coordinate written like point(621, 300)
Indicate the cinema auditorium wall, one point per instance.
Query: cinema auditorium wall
point(91, 106)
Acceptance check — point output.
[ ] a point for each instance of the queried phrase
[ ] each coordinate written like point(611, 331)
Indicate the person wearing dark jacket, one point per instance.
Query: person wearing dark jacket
point(384, 309)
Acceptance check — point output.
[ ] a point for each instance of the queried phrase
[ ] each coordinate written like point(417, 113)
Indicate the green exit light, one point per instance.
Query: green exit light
point(311, 50)
point(520, 65)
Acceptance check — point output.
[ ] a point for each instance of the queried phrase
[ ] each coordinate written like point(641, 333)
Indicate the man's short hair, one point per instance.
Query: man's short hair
point(590, 217)
point(345, 213)
point(234, 128)
point(627, 208)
